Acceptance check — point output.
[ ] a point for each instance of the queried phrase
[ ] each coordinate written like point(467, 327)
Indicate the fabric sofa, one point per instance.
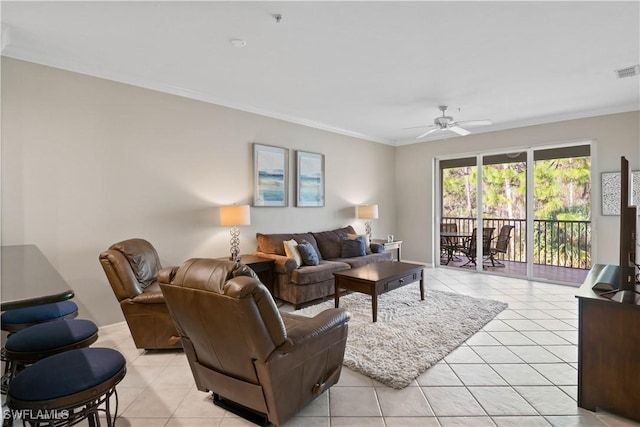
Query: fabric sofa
point(298, 285)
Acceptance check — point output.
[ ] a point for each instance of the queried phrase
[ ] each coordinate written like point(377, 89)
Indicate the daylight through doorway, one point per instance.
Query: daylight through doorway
point(534, 207)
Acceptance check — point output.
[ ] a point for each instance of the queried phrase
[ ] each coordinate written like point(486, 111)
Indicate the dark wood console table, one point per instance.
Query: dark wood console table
point(608, 352)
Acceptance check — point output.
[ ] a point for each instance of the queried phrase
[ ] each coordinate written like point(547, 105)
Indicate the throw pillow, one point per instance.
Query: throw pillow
point(291, 250)
point(353, 247)
point(308, 253)
point(377, 248)
point(367, 243)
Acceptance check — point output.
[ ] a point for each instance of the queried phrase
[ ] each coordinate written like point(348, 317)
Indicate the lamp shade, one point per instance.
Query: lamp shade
point(235, 215)
point(368, 212)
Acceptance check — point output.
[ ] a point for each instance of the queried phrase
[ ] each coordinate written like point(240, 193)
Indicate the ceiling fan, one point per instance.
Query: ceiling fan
point(447, 123)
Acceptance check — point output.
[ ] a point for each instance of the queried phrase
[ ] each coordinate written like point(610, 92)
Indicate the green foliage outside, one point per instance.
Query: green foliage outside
point(562, 205)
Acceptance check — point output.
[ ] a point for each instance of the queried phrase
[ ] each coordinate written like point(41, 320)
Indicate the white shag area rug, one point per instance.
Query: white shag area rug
point(410, 335)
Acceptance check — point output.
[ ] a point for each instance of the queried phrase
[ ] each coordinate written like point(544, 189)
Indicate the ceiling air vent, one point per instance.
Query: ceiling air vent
point(628, 71)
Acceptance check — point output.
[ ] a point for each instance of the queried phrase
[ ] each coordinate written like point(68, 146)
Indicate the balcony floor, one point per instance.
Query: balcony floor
point(519, 269)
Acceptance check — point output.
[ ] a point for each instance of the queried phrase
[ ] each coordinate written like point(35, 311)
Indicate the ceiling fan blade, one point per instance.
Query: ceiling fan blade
point(421, 126)
point(427, 133)
point(459, 130)
point(484, 122)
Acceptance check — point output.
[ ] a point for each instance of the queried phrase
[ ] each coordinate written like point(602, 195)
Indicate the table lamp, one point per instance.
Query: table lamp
point(368, 212)
point(233, 216)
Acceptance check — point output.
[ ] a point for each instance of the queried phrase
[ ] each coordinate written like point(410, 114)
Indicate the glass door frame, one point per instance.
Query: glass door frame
point(530, 198)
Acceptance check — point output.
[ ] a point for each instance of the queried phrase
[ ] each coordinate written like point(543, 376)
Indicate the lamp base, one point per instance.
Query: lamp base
point(235, 244)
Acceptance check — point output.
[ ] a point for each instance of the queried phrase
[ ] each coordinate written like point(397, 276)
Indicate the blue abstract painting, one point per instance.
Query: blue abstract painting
point(310, 179)
point(270, 165)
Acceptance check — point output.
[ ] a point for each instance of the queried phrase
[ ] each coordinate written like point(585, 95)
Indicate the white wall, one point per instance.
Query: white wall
point(88, 162)
point(614, 135)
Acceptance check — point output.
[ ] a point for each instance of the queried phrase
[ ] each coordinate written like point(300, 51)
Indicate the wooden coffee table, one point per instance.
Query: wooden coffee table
point(377, 278)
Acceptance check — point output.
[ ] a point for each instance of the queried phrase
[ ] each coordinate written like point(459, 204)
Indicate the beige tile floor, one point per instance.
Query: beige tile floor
point(519, 370)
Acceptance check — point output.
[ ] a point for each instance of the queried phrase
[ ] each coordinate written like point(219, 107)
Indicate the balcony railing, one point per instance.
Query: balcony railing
point(555, 242)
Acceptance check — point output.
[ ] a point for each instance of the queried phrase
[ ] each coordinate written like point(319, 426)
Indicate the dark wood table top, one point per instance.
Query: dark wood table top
point(255, 259)
point(29, 279)
point(377, 271)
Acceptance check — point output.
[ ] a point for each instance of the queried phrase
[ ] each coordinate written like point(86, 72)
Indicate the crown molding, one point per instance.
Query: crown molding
point(41, 58)
point(11, 50)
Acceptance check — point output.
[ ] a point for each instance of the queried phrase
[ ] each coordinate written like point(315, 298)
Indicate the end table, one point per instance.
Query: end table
point(390, 246)
point(263, 267)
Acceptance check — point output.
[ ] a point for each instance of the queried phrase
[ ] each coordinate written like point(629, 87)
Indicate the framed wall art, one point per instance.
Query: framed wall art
point(309, 179)
point(270, 175)
point(611, 192)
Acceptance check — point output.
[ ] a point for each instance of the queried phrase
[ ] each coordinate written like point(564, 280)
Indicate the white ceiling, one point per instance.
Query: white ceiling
point(367, 69)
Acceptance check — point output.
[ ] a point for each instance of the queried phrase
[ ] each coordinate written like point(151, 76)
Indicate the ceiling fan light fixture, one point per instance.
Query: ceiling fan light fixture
point(445, 122)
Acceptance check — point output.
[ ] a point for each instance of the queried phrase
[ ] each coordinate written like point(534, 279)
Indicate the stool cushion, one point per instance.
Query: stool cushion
point(51, 335)
point(66, 373)
point(39, 313)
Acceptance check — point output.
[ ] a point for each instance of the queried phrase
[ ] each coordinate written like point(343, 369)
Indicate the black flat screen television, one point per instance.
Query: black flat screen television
point(628, 217)
point(619, 281)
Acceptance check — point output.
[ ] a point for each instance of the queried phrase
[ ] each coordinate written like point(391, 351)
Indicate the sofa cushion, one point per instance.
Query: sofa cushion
point(273, 243)
point(353, 247)
point(308, 253)
point(291, 250)
point(364, 260)
point(308, 275)
point(329, 242)
point(367, 242)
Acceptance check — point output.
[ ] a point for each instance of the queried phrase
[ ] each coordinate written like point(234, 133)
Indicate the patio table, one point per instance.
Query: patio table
point(452, 241)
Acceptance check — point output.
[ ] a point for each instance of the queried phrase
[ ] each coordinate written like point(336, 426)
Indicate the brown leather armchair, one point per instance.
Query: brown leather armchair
point(241, 348)
point(132, 267)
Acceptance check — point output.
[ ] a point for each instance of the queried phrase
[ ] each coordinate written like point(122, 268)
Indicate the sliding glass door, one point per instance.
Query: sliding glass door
point(523, 214)
point(458, 207)
point(504, 199)
point(562, 214)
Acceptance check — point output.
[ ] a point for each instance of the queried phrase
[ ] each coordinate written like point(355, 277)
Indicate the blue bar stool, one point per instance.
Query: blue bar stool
point(67, 388)
point(29, 345)
point(16, 320)
point(21, 318)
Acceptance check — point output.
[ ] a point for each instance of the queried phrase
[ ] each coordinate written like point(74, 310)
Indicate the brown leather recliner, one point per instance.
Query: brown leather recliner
point(241, 348)
point(132, 267)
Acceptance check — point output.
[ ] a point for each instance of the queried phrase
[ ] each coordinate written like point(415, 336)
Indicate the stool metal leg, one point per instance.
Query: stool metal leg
point(111, 422)
point(10, 371)
point(4, 383)
point(94, 419)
